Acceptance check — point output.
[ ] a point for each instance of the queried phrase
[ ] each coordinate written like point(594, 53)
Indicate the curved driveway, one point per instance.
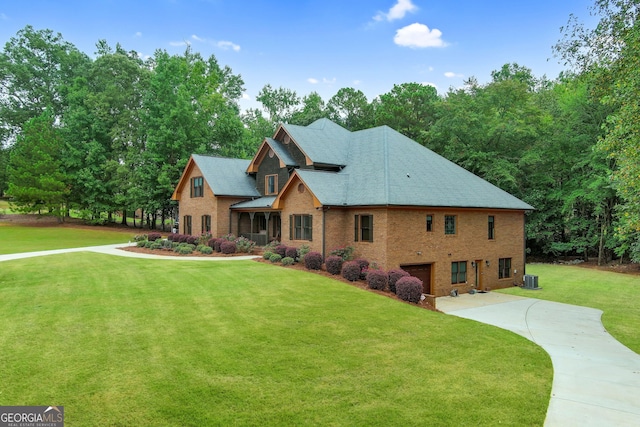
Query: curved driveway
point(596, 380)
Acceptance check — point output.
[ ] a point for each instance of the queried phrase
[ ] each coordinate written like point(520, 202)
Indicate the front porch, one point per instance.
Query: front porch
point(260, 226)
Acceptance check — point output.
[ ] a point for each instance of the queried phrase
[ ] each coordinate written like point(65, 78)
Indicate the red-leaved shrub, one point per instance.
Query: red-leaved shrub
point(152, 237)
point(364, 267)
point(280, 250)
point(377, 279)
point(291, 252)
point(333, 264)
point(394, 276)
point(351, 271)
point(409, 289)
point(192, 240)
point(313, 261)
point(227, 247)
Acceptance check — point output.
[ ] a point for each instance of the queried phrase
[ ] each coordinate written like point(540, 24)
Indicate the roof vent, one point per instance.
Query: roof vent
point(287, 139)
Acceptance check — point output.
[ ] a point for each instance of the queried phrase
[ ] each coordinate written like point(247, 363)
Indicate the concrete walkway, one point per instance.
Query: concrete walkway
point(113, 250)
point(596, 380)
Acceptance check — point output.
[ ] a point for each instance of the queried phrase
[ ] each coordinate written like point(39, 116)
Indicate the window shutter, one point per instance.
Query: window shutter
point(371, 228)
point(191, 187)
point(310, 227)
point(290, 227)
point(356, 228)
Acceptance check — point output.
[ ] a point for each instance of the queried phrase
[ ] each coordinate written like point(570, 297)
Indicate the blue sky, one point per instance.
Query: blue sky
point(320, 45)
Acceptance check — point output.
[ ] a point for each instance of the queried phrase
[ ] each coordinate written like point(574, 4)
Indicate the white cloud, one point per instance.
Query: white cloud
point(245, 95)
point(397, 11)
point(222, 44)
point(4, 17)
point(430, 84)
point(418, 36)
point(138, 34)
point(451, 74)
point(312, 80)
point(327, 81)
point(357, 82)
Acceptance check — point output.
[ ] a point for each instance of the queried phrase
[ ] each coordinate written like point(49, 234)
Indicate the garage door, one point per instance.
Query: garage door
point(422, 272)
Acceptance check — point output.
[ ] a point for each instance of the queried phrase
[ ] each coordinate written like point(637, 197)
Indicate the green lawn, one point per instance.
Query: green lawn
point(122, 341)
point(616, 294)
point(16, 239)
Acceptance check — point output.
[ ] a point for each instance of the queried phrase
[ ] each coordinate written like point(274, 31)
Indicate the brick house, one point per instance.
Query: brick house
point(398, 203)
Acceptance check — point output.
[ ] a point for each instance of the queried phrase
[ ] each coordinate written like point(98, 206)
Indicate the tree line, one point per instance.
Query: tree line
point(113, 134)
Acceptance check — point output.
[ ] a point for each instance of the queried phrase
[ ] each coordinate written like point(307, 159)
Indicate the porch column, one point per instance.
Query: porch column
point(251, 216)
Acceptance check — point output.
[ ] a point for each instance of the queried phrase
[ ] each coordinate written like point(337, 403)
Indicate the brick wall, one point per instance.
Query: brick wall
point(217, 207)
point(299, 201)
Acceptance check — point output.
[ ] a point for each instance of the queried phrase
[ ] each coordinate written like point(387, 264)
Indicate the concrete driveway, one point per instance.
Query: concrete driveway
point(596, 380)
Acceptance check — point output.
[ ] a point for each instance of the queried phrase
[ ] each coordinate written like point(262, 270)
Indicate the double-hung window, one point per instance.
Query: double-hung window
point(491, 227)
point(300, 227)
point(187, 224)
point(449, 224)
point(197, 187)
point(458, 272)
point(206, 223)
point(270, 185)
point(429, 222)
point(363, 228)
point(504, 268)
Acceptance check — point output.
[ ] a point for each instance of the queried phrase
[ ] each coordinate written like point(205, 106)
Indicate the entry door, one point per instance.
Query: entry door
point(478, 270)
point(422, 272)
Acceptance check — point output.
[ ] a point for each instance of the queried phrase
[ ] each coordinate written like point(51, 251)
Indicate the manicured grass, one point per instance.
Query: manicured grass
point(616, 294)
point(155, 343)
point(17, 239)
point(4, 207)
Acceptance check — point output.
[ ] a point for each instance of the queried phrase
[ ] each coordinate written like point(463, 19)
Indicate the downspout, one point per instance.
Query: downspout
point(524, 244)
point(324, 244)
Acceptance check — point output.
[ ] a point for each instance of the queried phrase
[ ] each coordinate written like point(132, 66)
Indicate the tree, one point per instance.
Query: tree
point(313, 108)
point(351, 109)
point(279, 103)
point(612, 51)
point(409, 108)
point(35, 69)
point(188, 109)
point(36, 180)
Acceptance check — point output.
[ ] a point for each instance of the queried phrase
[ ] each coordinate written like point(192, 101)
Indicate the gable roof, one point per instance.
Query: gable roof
point(225, 177)
point(323, 141)
point(384, 167)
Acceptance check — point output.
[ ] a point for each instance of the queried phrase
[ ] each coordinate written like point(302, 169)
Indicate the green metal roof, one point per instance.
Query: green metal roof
point(323, 141)
point(227, 177)
point(262, 202)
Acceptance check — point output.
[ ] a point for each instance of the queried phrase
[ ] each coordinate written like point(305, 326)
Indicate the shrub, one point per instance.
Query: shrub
point(139, 237)
point(351, 271)
point(281, 250)
point(171, 236)
point(245, 245)
point(199, 247)
point(275, 258)
point(409, 289)
point(304, 249)
point(271, 246)
point(204, 238)
point(345, 252)
point(288, 260)
point(156, 245)
point(364, 267)
point(192, 240)
point(377, 279)
point(394, 276)
point(216, 245)
point(205, 249)
point(313, 261)
point(148, 244)
point(267, 255)
point(184, 249)
point(152, 237)
point(211, 241)
point(291, 252)
point(141, 243)
point(333, 264)
point(167, 244)
point(230, 237)
point(228, 247)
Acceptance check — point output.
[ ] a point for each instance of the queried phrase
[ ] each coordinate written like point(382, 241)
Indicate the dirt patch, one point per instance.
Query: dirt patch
point(625, 268)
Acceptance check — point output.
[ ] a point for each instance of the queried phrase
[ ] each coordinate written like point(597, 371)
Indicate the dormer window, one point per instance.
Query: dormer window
point(271, 185)
point(197, 187)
